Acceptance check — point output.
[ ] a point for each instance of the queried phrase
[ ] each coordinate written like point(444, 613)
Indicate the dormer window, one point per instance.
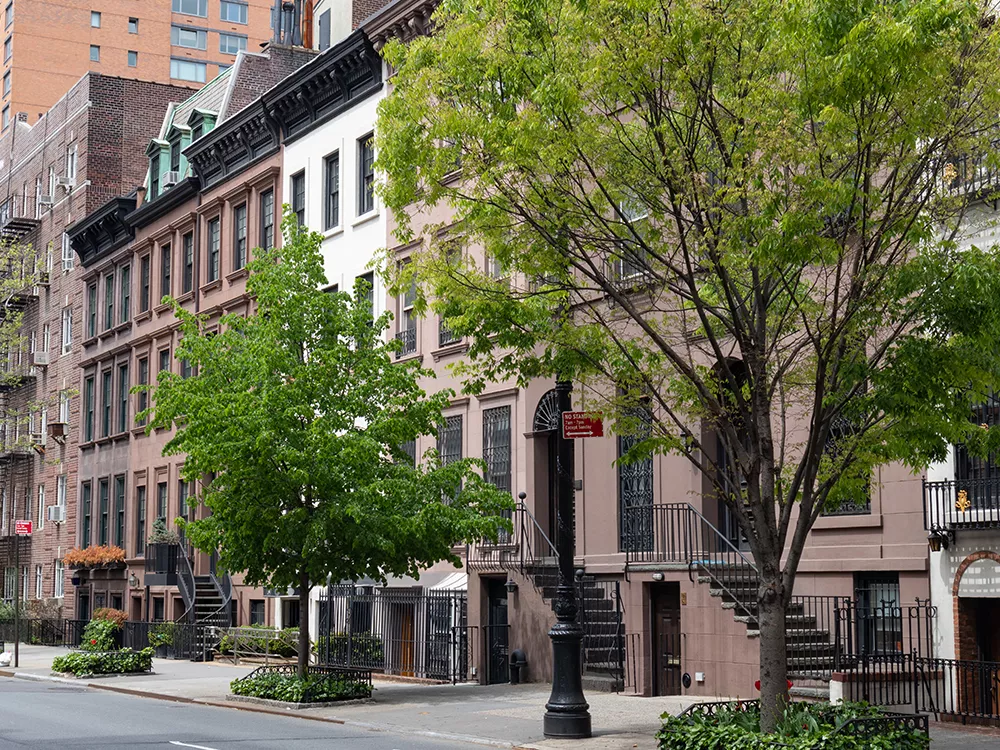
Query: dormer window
point(175, 155)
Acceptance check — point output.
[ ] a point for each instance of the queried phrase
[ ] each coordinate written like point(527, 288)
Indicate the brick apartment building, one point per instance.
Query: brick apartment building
point(49, 44)
point(209, 193)
point(54, 173)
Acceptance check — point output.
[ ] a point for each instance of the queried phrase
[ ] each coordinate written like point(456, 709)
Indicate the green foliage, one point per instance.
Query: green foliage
point(125, 661)
point(803, 726)
point(164, 634)
point(299, 412)
point(99, 635)
point(7, 611)
point(745, 214)
point(292, 689)
point(283, 643)
point(365, 648)
point(161, 535)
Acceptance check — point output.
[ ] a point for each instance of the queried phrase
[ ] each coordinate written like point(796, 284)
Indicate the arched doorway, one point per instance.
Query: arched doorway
point(545, 427)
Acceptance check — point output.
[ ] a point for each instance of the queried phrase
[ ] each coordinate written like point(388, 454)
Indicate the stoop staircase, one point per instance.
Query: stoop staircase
point(530, 553)
point(810, 644)
point(207, 598)
point(678, 533)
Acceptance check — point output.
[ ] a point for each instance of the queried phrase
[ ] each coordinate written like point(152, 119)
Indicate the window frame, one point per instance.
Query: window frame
point(243, 20)
point(331, 191)
point(267, 219)
point(366, 174)
point(297, 191)
point(214, 239)
point(240, 237)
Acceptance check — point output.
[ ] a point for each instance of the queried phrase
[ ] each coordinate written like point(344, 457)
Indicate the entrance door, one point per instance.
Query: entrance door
point(497, 633)
point(406, 661)
point(667, 639)
point(988, 646)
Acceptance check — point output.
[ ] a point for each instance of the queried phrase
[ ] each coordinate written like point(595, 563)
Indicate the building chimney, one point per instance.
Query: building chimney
point(288, 22)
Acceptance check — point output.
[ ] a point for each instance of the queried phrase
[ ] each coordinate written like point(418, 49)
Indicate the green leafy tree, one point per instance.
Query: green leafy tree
point(299, 414)
point(742, 216)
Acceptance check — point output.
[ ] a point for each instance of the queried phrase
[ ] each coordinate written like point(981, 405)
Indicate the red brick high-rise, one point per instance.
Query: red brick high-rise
point(49, 44)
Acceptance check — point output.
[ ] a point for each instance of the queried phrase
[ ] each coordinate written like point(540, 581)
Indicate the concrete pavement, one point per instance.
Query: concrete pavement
point(48, 716)
point(496, 715)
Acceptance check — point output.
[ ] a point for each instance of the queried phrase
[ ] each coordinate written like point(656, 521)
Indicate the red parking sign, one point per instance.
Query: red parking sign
point(582, 424)
point(22, 528)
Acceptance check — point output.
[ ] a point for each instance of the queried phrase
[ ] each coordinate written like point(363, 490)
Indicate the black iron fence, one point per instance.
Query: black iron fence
point(45, 632)
point(885, 630)
point(172, 640)
point(322, 678)
point(953, 688)
point(407, 632)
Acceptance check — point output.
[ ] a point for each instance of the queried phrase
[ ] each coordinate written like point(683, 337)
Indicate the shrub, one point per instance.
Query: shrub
point(125, 661)
point(117, 616)
point(283, 643)
point(803, 727)
point(163, 634)
point(99, 635)
point(366, 649)
point(162, 535)
point(92, 557)
point(289, 688)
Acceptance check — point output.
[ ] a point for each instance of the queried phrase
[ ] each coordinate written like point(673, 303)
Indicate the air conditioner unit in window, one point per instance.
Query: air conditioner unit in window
point(57, 430)
point(56, 513)
point(45, 200)
point(40, 359)
point(67, 183)
point(171, 178)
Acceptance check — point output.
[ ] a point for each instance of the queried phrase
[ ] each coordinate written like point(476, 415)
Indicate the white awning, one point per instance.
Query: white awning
point(452, 582)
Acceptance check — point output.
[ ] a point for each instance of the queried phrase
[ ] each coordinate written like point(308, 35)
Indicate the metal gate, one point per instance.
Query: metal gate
point(411, 632)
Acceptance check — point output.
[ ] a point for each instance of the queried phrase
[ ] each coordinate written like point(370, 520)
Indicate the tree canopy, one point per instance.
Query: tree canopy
point(747, 214)
point(296, 420)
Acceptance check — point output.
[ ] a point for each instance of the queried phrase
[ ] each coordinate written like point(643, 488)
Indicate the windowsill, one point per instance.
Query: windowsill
point(124, 326)
point(186, 297)
point(89, 342)
point(364, 218)
point(87, 444)
point(211, 285)
point(452, 176)
point(119, 436)
point(458, 347)
point(105, 333)
point(333, 232)
point(104, 440)
point(859, 521)
point(411, 356)
point(140, 430)
point(162, 308)
point(237, 275)
point(144, 315)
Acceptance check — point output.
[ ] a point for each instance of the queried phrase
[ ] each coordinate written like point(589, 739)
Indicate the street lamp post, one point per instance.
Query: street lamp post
point(567, 714)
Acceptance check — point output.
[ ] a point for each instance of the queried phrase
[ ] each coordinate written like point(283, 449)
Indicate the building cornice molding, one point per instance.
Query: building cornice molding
point(403, 19)
point(103, 231)
point(343, 75)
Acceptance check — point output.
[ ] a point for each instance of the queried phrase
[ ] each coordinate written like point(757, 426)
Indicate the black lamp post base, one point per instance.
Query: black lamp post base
point(569, 725)
point(567, 712)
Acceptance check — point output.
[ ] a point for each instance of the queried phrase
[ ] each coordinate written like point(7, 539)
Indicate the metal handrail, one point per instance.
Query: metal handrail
point(185, 581)
point(752, 580)
point(538, 530)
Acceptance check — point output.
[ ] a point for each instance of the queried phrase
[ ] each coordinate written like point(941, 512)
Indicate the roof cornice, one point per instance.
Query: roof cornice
point(343, 75)
point(103, 231)
point(403, 19)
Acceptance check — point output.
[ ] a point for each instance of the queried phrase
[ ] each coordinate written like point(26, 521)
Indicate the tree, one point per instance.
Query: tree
point(745, 215)
point(299, 416)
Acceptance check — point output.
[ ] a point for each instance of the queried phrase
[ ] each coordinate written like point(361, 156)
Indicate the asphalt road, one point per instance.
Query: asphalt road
point(47, 715)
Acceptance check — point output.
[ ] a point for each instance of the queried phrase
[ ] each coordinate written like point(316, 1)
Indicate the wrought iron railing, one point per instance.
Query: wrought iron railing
point(321, 677)
point(525, 547)
point(445, 335)
point(185, 584)
point(601, 613)
point(884, 630)
point(962, 504)
point(408, 337)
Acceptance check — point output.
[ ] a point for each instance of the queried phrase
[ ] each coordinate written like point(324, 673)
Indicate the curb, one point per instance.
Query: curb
point(287, 713)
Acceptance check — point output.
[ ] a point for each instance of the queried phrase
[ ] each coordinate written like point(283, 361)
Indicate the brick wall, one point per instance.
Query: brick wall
point(361, 9)
point(110, 121)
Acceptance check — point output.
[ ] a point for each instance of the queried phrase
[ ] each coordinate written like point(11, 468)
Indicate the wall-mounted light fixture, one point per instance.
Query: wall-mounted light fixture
point(511, 585)
point(657, 577)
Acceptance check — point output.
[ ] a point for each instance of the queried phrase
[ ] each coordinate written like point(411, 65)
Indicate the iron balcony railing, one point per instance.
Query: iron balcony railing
point(962, 504)
point(408, 337)
point(161, 564)
point(446, 336)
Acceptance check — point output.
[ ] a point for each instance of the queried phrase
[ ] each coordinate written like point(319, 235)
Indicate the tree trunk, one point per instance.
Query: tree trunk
point(303, 663)
point(773, 655)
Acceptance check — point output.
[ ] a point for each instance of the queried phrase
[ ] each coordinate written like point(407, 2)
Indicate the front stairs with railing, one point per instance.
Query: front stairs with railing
point(809, 643)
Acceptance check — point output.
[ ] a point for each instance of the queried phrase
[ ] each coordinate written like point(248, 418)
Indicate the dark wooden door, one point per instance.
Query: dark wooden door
point(667, 640)
point(497, 634)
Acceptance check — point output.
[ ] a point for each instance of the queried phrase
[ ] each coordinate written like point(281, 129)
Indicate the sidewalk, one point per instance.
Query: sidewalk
point(503, 716)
